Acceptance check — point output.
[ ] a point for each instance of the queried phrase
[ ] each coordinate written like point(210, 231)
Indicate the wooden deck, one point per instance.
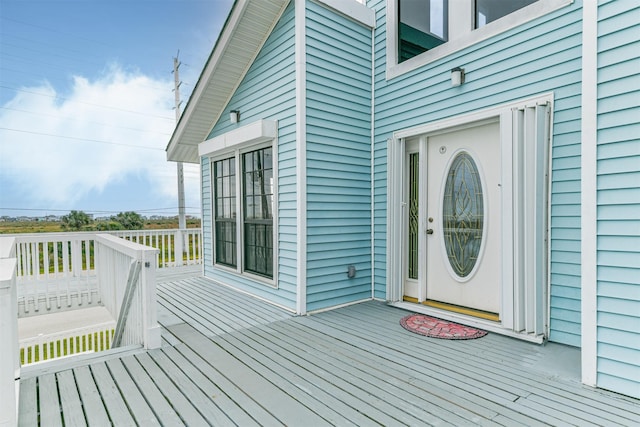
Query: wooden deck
point(229, 359)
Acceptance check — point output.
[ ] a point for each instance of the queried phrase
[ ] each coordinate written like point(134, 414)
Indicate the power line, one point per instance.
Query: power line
point(84, 121)
point(81, 139)
point(85, 103)
point(55, 30)
point(74, 58)
point(154, 210)
point(57, 46)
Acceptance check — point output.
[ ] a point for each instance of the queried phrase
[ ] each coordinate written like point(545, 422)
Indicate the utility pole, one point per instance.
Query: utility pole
point(182, 222)
point(180, 241)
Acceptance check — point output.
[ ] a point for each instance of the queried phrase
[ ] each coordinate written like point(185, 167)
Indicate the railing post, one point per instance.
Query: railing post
point(9, 350)
point(152, 338)
point(178, 247)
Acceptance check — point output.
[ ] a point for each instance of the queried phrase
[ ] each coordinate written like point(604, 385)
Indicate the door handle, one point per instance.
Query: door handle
point(429, 230)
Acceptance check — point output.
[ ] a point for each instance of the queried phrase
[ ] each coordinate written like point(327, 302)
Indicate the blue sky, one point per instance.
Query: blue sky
point(86, 102)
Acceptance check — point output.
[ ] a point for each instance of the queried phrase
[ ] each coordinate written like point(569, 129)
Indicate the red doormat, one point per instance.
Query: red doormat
point(438, 328)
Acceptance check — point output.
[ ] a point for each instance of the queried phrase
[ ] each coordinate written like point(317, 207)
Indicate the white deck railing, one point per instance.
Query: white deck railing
point(170, 244)
point(127, 283)
point(9, 361)
point(66, 343)
point(42, 273)
point(56, 271)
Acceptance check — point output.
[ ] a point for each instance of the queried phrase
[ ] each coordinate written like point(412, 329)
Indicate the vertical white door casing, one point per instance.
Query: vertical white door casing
point(481, 288)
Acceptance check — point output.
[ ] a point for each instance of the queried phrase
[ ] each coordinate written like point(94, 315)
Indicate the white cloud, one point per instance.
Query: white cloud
point(123, 108)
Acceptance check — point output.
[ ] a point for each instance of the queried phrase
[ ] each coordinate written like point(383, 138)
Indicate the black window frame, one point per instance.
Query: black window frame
point(225, 222)
point(249, 223)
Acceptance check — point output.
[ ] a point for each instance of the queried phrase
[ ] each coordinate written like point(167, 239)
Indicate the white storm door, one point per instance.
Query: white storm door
point(464, 218)
point(414, 220)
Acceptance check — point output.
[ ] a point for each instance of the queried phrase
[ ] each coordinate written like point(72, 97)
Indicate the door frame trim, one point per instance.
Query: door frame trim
point(513, 298)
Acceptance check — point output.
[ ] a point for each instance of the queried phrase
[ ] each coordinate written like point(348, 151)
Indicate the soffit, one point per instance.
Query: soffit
point(247, 27)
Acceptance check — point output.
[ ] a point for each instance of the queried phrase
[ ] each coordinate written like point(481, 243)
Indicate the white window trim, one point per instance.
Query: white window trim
point(251, 137)
point(461, 32)
point(254, 133)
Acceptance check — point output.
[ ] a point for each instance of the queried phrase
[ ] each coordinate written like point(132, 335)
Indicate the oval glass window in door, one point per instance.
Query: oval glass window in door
point(463, 214)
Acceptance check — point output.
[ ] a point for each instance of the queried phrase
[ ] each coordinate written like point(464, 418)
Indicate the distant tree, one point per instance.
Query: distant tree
point(76, 221)
point(129, 220)
point(108, 226)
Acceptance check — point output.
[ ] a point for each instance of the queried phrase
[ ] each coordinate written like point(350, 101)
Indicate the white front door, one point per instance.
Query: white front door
point(454, 220)
point(463, 210)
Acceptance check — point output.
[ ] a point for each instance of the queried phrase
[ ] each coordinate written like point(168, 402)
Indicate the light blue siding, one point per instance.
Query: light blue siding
point(338, 158)
point(267, 92)
point(540, 56)
point(618, 197)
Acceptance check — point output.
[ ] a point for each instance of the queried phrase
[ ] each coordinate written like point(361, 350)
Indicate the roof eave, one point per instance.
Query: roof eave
point(210, 96)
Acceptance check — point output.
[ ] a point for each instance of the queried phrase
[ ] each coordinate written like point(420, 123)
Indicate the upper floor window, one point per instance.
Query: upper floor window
point(423, 25)
point(422, 31)
point(489, 10)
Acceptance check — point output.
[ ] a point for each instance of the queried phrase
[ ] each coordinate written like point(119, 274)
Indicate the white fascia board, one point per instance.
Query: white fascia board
point(352, 9)
point(254, 133)
point(193, 104)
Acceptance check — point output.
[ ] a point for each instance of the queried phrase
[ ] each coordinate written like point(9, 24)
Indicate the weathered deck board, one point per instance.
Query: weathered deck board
point(180, 404)
point(504, 370)
point(362, 363)
point(161, 408)
point(229, 359)
point(48, 400)
point(213, 309)
point(358, 390)
point(114, 403)
point(239, 406)
point(94, 409)
point(283, 406)
point(70, 400)
point(28, 407)
point(416, 384)
point(142, 414)
point(497, 373)
point(222, 401)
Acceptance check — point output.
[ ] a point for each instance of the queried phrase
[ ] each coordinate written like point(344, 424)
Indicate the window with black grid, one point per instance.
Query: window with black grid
point(225, 212)
point(257, 188)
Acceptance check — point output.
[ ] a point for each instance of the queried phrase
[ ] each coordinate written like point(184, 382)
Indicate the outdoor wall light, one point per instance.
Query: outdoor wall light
point(457, 76)
point(351, 271)
point(234, 116)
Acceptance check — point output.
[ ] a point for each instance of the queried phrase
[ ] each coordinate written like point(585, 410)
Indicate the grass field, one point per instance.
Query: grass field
point(19, 227)
point(95, 341)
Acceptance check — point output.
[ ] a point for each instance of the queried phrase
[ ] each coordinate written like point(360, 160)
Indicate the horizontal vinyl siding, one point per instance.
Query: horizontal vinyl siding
point(618, 197)
point(338, 89)
point(267, 92)
point(540, 56)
